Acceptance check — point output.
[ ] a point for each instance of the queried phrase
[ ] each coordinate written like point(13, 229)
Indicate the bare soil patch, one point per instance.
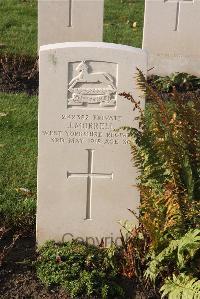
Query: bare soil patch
point(19, 74)
point(18, 275)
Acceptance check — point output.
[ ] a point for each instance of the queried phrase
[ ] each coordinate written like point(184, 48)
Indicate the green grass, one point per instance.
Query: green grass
point(18, 154)
point(18, 25)
point(119, 16)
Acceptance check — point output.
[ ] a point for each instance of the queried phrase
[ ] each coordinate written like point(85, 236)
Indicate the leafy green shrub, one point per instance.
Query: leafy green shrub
point(80, 269)
point(181, 81)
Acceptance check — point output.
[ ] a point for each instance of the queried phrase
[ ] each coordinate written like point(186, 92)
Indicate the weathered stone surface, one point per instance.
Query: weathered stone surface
point(69, 21)
point(171, 36)
point(86, 180)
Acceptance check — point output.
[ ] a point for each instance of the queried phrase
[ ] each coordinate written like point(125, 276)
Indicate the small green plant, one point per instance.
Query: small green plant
point(80, 269)
point(180, 81)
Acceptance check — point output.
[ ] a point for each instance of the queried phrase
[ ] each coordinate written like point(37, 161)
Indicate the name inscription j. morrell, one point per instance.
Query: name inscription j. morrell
point(88, 129)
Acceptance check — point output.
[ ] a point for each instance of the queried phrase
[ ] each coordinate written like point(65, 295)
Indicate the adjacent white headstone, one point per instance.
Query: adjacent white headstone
point(86, 180)
point(172, 36)
point(69, 20)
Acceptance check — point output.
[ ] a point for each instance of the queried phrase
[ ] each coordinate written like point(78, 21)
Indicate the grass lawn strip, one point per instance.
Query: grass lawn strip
point(123, 24)
point(18, 156)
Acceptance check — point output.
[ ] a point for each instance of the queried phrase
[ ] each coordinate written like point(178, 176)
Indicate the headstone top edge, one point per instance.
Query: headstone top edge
point(91, 45)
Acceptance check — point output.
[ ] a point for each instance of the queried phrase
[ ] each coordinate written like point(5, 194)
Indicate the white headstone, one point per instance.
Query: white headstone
point(69, 20)
point(172, 36)
point(86, 180)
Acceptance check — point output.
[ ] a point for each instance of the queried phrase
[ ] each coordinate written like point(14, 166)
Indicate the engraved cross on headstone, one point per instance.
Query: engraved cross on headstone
point(177, 10)
point(70, 14)
point(90, 175)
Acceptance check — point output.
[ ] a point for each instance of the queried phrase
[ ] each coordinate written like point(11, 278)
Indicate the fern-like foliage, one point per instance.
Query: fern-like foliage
point(166, 149)
point(188, 245)
point(178, 252)
point(157, 265)
point(181, 287)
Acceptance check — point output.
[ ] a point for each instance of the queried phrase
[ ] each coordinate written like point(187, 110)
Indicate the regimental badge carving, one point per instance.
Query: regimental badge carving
point(90, 88)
